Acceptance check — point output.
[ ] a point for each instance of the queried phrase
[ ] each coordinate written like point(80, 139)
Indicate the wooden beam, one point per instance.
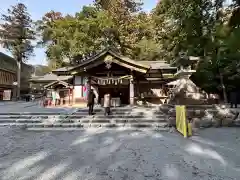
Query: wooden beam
point(129, 66)
point(99, 62)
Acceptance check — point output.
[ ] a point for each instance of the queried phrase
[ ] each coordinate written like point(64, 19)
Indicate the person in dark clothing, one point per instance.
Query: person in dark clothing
point(44, 97)
point(233, 99)
point(91, 97)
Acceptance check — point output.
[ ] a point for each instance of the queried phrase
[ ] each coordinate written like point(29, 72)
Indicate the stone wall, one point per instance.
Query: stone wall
point(203, 116)
point(151, 94)
point(186, 92)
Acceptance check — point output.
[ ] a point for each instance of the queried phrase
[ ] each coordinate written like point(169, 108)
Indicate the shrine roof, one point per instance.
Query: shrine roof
point(50, 77)
point(58, 82)
point(64, 68)
point(144, 65)
point(113, 53)
point(188, 60)
point(10, 64)
point(158, 64)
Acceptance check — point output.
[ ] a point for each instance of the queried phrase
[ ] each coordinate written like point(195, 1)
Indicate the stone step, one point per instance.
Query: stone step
point(86, 120)
point(32, 113)
point(131, 121)
point(3, 121)
point(79, 116)
point(84, 125)
point(162, 129)
point(120, 113)
point(29, 116)
point(118, 109)
point(115, 116)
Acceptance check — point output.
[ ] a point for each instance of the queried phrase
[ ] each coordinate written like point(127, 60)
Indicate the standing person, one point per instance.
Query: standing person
point(233, 99)
point(90, 104)
point(53, 98)
point(44, 98)
point(57, 98)
point(107, 103)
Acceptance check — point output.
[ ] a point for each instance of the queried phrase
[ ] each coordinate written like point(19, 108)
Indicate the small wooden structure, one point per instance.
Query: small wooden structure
point(64, 89)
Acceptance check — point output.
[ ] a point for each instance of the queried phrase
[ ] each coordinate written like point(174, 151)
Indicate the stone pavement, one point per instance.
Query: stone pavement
point(21, 106)
point(101, 154)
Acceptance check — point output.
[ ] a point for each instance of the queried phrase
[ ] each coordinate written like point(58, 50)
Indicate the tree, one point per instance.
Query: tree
point(71, 36)
point(41, 70)
point(184, 25)
point(16, 34)
point(47, 27)
point(118, 24)
point(125, 17)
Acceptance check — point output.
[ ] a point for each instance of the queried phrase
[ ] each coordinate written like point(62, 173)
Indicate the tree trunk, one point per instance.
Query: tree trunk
point(18, 79)
point(223, 88)
point(221, 77)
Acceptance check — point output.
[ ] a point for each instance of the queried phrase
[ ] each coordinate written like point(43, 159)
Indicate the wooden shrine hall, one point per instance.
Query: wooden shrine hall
point(127, 81)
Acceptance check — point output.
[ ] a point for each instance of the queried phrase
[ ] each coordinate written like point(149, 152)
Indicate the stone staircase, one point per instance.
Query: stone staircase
point(130, 117)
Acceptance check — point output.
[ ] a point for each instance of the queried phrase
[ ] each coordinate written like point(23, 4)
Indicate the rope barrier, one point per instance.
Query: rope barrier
point(112, 80)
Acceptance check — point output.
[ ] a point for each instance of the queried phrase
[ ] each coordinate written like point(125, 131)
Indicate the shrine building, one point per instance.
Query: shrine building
point(128, 81)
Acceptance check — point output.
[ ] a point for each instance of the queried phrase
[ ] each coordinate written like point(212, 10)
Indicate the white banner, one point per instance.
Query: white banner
point(7, 95)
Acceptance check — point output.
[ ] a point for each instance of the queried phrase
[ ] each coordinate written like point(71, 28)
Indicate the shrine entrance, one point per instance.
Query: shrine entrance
point(117, 87)
point(119, 94)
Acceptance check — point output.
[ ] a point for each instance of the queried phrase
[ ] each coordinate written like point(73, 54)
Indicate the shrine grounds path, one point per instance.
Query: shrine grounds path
point(31, 107)
point(119, 154)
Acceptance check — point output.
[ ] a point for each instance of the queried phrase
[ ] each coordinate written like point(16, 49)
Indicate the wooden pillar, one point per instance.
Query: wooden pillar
point(14, 93)
point(131, 93)
point(69, 94)
point(72, 100)
point(88, 86)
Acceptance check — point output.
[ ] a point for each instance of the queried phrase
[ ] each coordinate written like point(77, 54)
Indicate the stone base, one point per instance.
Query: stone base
point(132, 101)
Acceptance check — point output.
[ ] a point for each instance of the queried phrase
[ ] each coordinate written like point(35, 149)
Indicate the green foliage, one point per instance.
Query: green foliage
point(16, 32)
point(203, 28)
point(117, 23)
point(16, 35)
point(41, 70)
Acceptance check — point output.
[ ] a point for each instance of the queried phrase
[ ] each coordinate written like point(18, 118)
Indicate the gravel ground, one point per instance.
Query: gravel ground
point(101, 154)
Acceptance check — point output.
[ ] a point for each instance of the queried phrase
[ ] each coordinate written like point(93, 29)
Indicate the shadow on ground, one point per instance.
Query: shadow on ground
point(118, 154)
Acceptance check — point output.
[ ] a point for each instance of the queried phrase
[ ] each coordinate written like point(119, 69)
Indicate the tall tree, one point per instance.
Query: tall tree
point(16, 34)
point(127, 23)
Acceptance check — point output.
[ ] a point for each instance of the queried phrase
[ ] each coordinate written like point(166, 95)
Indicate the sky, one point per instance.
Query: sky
point(37, 8)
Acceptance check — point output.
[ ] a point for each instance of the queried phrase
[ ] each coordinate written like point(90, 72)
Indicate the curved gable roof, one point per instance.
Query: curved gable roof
point(119, 59)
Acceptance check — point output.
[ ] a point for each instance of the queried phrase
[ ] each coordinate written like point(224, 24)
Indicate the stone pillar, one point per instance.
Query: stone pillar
point(131, 93)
